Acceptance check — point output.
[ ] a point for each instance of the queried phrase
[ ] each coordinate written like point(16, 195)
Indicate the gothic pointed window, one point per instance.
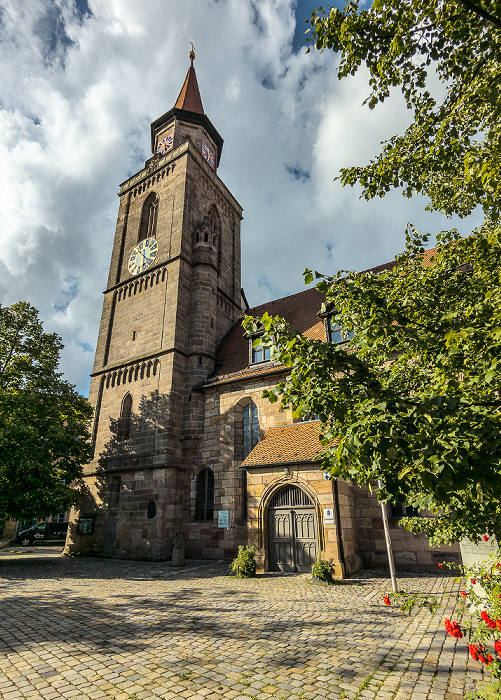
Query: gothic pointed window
point(204, 496)
point(251, 428)
point(147, 228)
point(125, 418)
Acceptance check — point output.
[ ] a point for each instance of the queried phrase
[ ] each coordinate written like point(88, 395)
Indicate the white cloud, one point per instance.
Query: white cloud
point(79, 92)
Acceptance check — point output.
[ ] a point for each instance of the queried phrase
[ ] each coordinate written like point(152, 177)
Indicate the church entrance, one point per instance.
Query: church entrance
point(292, 530)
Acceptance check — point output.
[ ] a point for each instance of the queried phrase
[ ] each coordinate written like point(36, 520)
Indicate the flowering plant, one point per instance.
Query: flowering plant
point(479, 602)
point(408, 601)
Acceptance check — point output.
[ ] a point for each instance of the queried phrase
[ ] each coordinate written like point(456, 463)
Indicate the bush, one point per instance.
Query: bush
point(244, 566)
point(322, 569)
point(486, 691)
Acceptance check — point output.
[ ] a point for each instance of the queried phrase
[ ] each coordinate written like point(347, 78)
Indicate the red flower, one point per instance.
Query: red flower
point(497, 646)
point(440, 565)
point(463, 594)
point(485, 617)
point(485, 538)
point(473, 582)
point(453, 629)
point(386, 600)
point(498, 623)
point(498, 565)
point(473, 651)
point(480, 653)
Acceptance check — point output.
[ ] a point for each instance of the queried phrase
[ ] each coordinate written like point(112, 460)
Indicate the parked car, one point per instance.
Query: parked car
point(43, 533)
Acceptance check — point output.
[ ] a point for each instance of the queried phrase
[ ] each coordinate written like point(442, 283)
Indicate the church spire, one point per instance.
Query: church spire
point(189, 98)
point(187, 121)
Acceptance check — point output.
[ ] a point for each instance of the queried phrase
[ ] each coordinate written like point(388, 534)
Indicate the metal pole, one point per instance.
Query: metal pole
point(384, 513)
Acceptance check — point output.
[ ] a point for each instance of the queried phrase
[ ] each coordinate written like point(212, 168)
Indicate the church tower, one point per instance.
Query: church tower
point(173, 292)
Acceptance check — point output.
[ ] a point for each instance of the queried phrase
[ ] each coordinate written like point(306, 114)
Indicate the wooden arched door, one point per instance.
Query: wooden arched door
point(292, 530)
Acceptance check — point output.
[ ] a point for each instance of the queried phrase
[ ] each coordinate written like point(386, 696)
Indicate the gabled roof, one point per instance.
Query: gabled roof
point(287, 444)
point(189, 97)
point(300, 310)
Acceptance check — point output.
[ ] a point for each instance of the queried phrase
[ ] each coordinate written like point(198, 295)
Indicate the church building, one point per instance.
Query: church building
point(183, 440)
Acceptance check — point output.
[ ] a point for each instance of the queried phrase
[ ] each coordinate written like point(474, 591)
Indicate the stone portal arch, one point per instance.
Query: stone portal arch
point(292, 529)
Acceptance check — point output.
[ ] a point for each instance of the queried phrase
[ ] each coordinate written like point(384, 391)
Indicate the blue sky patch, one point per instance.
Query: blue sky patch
point(297, 173)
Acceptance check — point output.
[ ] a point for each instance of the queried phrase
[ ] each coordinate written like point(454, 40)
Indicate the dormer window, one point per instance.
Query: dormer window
point(259, 353)
point(336, 333)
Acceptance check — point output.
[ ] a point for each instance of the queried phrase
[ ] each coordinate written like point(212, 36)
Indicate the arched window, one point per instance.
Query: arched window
point(148, 223)
point(251, 428)
point(204, 497)
point(125, 418)
point(246, 438)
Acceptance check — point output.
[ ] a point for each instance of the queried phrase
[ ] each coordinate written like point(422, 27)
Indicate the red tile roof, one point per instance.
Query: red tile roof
point(287, 444)
point(300, 310)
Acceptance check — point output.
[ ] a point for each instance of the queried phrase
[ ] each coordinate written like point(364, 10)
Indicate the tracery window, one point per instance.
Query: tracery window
point(148, 225)
point(204, 495)
point(251, 428)
point(125, 418)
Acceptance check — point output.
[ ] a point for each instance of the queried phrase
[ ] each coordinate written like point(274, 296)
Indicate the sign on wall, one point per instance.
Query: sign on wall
point(329, 516)
point(223, 518)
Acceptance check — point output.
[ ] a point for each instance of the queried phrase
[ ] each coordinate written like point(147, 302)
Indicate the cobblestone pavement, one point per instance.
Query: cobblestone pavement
point(95, 628)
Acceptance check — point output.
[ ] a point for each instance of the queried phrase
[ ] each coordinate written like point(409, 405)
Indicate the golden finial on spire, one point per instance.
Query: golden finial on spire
point(192, 53)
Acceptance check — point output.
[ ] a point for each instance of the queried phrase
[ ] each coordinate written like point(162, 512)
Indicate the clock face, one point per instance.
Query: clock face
point(166, 144)
point(143, 256)
point(208, 154)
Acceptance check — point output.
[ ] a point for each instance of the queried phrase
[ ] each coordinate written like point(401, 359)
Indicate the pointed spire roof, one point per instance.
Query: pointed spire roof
point(189, 108)
point(189, 97)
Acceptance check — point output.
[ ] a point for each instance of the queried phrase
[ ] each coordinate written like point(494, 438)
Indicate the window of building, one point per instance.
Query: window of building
point(147, 227)
point(306, 417)
point(59, 518)
point(125, 418)
point(258, 353)
point(336, 333)
point(204, 497)
point(251, 428)
point(398, 510)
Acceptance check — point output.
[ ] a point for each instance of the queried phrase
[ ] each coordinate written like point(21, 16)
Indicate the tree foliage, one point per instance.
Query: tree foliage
point(414, 401)
point(44, 423)
point(451, 151)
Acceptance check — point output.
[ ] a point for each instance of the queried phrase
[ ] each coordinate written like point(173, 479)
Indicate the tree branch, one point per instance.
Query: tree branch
point(481, 12)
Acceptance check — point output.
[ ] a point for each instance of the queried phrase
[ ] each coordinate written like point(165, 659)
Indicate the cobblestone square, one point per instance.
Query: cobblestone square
point(82, 628)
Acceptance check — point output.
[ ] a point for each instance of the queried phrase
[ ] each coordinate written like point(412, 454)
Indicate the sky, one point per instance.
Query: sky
point(81, 80)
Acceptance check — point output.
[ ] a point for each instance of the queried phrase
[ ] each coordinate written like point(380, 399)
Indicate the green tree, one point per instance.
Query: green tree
point(44, 423)
point(417, 404)
point(451, 151)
